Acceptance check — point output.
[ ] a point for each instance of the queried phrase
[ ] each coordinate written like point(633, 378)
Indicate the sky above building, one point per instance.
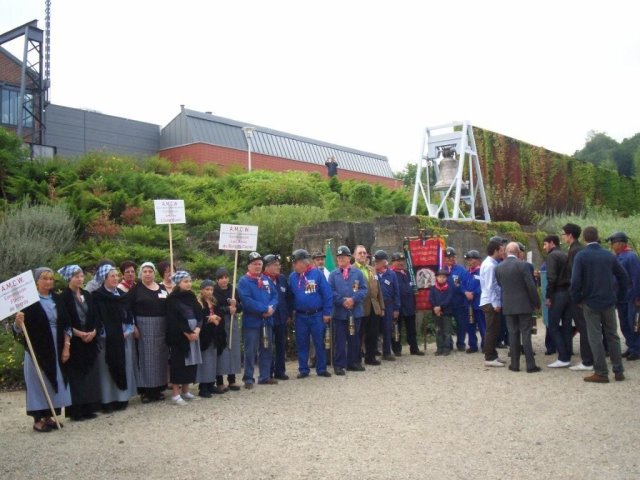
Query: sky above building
point(369, 75)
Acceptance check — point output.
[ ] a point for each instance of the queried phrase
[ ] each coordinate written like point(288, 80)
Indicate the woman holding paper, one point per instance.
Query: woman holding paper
point(49, 330)
point(84, 377)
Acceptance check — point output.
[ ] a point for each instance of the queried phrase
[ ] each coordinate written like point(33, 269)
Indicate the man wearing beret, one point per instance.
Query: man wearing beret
point(260, 300)
point(281, 317)
point(407, 305)
point(628, 308)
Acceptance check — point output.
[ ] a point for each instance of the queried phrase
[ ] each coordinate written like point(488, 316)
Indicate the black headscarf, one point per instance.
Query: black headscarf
point(83, 355)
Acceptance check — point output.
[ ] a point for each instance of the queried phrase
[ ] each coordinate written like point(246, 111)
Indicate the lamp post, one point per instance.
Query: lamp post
point(248, 133)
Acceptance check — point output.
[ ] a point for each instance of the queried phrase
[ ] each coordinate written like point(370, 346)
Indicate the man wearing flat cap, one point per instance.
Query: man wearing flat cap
point(318, 261)
point(628, 308)
point(472, 291)
point(457, 275)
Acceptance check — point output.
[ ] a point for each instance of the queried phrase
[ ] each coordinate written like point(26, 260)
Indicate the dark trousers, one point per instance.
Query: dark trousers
point(461, 314)
point(280, 341)
point(597, 321)
point(387, 328)
point(346, 351)
point(581, 325)
point(369, 332)
point(492, 319)
point(409, 322)
point(520, 334)
point(560, 327)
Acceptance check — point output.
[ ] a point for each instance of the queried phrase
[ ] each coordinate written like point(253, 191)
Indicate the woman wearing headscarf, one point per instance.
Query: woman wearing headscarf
point(209, 339)
point(50, 332)
point(229, 359)
point(116, 357)
point(184, 321)
point(148, 303)
point(84, 378)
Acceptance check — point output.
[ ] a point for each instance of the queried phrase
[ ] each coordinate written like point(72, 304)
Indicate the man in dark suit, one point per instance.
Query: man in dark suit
point(592, 286)
point(519, 300)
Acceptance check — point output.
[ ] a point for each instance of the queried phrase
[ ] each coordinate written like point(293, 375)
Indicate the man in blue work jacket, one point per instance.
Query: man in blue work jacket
point(281, 316)
point(391, 295)
point(311, 301)
point(259, 300)
point(457, 274)
point(349, 288)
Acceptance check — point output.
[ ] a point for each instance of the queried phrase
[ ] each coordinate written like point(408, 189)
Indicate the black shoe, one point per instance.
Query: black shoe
point(632, 356)
point(471, 350)
point(204, 393)
point(626, 354)
point(234, 388)
point(77, 418)
point(548, 353)
point(302, 375)
point(281, 377)
point(389, 358)
point(378, 353)
point(446, 353)
point(513, 369)
point(397, 353)
point(417, 352)
point(355, 368)
point(107, 409)
point(339, 371)
point(460, 348)
point(501, 345)
point(438, 353)
point(324, 374)
point(534, 370)
point(90, 416)
point(372, 362)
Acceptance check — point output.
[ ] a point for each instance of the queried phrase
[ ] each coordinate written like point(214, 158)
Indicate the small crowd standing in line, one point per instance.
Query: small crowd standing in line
point(100, 345)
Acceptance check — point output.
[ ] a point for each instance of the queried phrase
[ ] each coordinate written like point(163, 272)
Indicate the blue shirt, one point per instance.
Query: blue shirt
point(310, 291)
point(355, 286)
point(407, 295)
point(390, 291)
point(256, 300)
point(471, 283)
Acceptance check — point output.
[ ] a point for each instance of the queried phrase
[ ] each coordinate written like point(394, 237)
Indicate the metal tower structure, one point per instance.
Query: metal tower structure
point(449, 161)
point(33, 87)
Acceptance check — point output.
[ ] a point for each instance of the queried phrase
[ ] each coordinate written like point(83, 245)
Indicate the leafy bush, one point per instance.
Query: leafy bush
point(11, 355)
point(32, 235)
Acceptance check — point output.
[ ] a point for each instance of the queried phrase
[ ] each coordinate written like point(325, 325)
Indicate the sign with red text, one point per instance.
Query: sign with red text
point(17, 293)
point(169, 211)
point(238, 237)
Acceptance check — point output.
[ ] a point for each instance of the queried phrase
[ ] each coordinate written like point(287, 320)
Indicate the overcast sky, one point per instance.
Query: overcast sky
point(368, 74)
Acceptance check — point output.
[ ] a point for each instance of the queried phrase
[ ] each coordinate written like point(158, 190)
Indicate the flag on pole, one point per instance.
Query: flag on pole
point(329, 261)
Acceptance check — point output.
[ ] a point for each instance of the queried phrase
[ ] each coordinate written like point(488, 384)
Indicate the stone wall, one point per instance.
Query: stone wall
point(388, 233)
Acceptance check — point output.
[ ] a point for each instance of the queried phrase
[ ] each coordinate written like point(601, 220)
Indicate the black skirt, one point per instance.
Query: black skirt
point(179, 373)
point(85, 392)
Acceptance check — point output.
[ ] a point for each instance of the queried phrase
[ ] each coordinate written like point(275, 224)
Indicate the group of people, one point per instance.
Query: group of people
point(100, 345)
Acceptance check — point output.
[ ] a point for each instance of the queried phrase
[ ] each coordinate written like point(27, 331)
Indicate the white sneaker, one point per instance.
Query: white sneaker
point(581, 367)
point(493, 363)
point(559, 364)
point(188, 396)
point(501, 360)
point(178, 401)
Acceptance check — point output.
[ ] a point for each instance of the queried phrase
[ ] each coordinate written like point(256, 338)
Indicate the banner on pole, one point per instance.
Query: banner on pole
point(238, 237)
point(169, 211)
point(17, 293)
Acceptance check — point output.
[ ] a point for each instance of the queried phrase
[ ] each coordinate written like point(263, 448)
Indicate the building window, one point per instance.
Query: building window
point(9, 108)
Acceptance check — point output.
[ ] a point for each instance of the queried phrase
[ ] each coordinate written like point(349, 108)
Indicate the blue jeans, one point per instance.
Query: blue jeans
point(627, 316)
point(560, 327)
point(253, 346)
point(310, 326)
point(280, 341)
point(346, 351)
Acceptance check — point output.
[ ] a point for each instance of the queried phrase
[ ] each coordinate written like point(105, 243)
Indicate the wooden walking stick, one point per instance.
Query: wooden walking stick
point(233, 297)
point(40, 377)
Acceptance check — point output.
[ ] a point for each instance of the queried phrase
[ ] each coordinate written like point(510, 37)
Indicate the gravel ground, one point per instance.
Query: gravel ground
point(420, 417)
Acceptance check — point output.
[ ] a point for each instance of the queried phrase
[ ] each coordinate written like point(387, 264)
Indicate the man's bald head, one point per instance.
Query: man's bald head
point(512, 249)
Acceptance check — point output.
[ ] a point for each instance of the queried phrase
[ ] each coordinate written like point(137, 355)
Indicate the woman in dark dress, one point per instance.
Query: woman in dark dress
point(209, 341)
point(229, 359)
point(49, 329)
point(84, 378)
point(115, 337)
point(184, 321)
point(148, 303)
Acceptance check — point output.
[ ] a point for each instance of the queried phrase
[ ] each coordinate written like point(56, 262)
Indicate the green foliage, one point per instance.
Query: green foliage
point(602, 150)
point(11, 152)
point(156, 164)
point(32, 235)
point(188, 167)
point(277, 224)
point(11, 355)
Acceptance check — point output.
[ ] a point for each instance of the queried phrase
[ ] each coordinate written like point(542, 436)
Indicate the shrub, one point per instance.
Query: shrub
point(131, 215)
point(156, 164)
point(102, 226)
point(188, 167)
point(32, 235)
point(11, 355)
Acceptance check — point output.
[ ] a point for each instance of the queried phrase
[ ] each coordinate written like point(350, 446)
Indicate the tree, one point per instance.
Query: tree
point(598, 148)
point(11, 151)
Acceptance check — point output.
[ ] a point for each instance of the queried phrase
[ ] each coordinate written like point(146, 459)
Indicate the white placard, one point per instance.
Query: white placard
point(529, 256)
point(169, 211)
point(17, 293)
point(238, 237)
